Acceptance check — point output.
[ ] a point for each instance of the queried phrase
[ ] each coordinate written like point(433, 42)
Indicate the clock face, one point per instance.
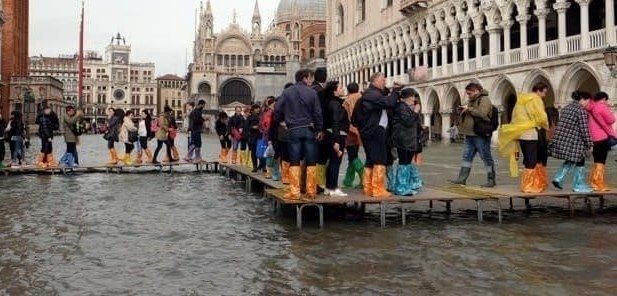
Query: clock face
point(118, 94)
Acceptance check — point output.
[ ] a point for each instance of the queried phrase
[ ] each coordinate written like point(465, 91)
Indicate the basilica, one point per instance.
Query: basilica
point(237, 67)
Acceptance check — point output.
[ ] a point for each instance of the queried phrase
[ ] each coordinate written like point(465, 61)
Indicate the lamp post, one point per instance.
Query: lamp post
point(610, 59)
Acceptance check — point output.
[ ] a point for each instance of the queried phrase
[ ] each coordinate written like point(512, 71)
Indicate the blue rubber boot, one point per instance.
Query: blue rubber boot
point(561, 175)
point(391, 174)
point(403, 181)
point(416, 179)
point(579, 181)
point(276, 170)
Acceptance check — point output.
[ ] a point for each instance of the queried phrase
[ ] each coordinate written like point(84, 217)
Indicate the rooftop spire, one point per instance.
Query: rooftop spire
point(208, 8)
point(256, 13)
point(235, 21)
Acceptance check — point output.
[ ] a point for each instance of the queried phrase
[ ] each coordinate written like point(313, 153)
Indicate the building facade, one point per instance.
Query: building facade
point(236, 67)
point(171, 91)
point(27, 92)
point(63, 68)
point(116, 81)
point(505, 45)
point(14, 57)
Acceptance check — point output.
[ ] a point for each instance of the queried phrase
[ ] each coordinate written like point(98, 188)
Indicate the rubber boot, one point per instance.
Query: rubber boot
point(148, 153)
point(240, 157)
point(311, 182)
point(359, 167)
point(40, 161)
point(529, 183)
point(367, 178)
point(463, 174)
point(403, 181)
point(321, 175)
point(51, 161)
point(174, 153)
point(579, 181)
point(293, 190)
point(561, 175)
point(285, 172)
point(391, 174)
point(378, 182)
point(222, 158)
point(416, 178)
point(113, 157)
point(268, 172)
point(138, 159)
point(542, 177)
point(490, 178)
point(127, 159)
point(234, 156)
point(249, 161)
point(350, 176)
point(596, 178)
point(276, 171)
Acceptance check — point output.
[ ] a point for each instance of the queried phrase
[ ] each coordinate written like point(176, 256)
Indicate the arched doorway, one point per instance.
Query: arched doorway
point(235, 90)
point(455, 98)
point(505, 90)
point(581, 79)
point(435, 129)
point(204, 92)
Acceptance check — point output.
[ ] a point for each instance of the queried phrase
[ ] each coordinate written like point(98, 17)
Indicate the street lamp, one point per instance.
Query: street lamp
point(610, 59)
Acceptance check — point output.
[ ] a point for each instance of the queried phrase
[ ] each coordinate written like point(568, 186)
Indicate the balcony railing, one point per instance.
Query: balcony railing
point(597, 39)
point(515, 55)
point(552, 48)
point(533, 52)
point(573, 44)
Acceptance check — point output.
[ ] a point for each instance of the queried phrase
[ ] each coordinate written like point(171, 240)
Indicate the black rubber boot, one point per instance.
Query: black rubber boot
point(490, 181)
point(463, 174)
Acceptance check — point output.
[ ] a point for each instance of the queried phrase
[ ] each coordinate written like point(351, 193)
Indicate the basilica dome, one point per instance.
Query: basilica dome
point(301, 10)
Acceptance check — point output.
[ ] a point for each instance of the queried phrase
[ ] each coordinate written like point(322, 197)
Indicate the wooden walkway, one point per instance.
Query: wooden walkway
point(446, 194)
point(204, 166)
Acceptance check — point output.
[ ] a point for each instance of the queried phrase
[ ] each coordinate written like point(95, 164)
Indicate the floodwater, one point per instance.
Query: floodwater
point(201, 234)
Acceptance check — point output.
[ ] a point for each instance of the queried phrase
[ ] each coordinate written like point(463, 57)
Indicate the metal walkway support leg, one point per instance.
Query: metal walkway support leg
point(511, 204)
point(571, 206)
point(299, 216)
point(479, 209)
point(404, 215)
point(448, 207)
point(321, 215)
point(382, 214)
point(527, 204)
point(601, 202)
point(499, 210)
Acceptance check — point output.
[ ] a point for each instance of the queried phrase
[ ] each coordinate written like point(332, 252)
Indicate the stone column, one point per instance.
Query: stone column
point(408, 64)
point(427, 123)
point(445, 125)
point(478, 35)
point(389, 69)
point(444, 57)
point(541, 13)
point(523, 19)
point(416, 56)
point(611, 37)
point(466, 38)
point(425, 57)
point(434, 60)
point(584, 4)
point(454, 42)
point(506, 24)
point(494, 46)
point(561, 6)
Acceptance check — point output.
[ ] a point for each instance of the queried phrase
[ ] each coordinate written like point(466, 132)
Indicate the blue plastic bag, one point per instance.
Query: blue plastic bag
point(67, 160)
point(262, 145)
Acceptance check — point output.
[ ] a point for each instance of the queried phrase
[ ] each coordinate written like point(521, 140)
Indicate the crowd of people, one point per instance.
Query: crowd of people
point(301, 136)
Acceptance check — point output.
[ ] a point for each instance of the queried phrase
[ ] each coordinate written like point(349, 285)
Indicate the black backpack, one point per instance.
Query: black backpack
point(79, 127)
point(486, 128)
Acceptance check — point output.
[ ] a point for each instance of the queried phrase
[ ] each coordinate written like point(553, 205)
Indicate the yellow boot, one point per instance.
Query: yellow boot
point(285, 172)
point(311, 182)
point(596, 178)
point(127, 159)
point(241, 160)
point(113, 157)
point(293, 190)
point(378, 182)
point(321, 175)
point(529, 181)
point(174, 153)
point(138, 159)
point(367, 179)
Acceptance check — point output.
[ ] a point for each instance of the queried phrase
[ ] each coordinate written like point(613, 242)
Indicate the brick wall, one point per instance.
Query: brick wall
point(14, 46)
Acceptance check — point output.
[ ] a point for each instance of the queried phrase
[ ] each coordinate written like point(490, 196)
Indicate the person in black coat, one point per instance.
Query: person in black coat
point(48, 123)
point(253, 135)
point(222, 130)
point(336, 124)
point(406, 131)
point(236, 126)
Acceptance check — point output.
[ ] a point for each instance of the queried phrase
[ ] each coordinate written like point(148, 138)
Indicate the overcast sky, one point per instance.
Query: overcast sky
point(159, 31)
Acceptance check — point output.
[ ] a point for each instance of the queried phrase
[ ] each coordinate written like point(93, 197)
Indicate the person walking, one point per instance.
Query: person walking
point(245, 148)
point(188, 109)
point(406, 130)
point(281, 147)
point(572, 142)
point(161, 131)
point(300, 109)
point(111, 135)
point(600, 120)
point(371, 117)
point(354, 164)
point(236, 125)
point(71, 137)
point(253, 136)
point(478, 108)
point(319, 82)
point(48, 123)
point(336, 124)
point(145, 134)
point(128, 135)
point(265, 127)
point(171, 134)
point(222, 130)
point(523, 133)
point(16, 133)
point(453, 133)
point(196, 126)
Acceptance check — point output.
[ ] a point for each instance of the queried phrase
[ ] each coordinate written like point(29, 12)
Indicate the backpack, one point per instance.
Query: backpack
point(79, 127)
point(486, 128)
point(358, 117)
point(154, 125)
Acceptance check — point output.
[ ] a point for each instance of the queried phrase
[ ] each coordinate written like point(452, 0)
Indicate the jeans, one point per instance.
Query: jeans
point(17, 148)
point(334, 163)
point(375, 148)
point(302, 145)
point(481, 145)
point(159, 145)
point(530, 153)
point(234, 144)
point(71, 148)
point(195, 139)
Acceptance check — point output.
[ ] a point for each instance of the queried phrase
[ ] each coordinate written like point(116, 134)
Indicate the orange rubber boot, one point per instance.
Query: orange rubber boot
point(311, 181)
point(378, 182)
point(293, 190)
point(367, 178)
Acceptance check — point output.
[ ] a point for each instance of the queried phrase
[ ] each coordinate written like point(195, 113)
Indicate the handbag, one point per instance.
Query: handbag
point(172, 132)
point(262, 145)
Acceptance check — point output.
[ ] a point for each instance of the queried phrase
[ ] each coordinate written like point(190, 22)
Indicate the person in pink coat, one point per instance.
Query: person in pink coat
point(601, 119)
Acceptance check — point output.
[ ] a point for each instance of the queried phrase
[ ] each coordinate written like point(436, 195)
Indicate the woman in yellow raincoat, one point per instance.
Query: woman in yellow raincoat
point(521, 134)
